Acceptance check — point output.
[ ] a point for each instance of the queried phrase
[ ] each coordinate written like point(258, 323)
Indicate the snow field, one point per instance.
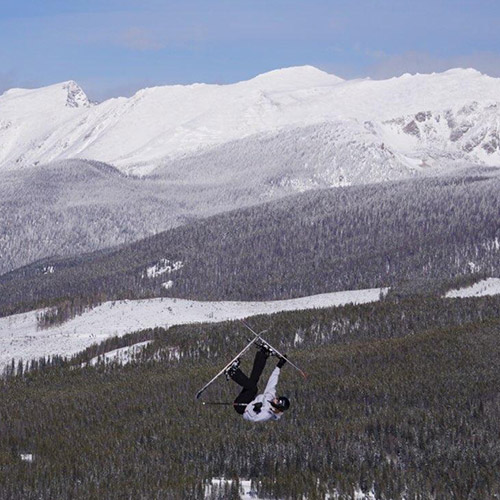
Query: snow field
point(490, 286)
point(20, 337)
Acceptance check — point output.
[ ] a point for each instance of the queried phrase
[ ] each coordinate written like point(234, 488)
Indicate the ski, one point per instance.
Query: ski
point(257, 337)
point(208, 384)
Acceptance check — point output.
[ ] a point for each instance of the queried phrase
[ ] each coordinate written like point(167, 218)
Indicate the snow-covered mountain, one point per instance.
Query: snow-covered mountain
point(403, 124)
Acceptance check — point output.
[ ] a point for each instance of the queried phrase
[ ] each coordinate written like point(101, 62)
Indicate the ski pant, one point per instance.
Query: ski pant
point(249, 384)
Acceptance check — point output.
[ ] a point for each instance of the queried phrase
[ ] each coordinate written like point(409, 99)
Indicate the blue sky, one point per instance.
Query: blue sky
point(113, 47)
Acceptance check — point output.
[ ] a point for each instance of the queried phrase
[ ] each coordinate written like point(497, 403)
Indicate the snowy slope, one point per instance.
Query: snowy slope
point(34, 123)
point(417, 119)
point(20, 338)
point(122, 356)
point(490, 286)
point(150, 125)
point(329, 154)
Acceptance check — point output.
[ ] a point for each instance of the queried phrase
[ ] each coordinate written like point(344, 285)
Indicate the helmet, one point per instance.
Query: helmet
point(282, 404)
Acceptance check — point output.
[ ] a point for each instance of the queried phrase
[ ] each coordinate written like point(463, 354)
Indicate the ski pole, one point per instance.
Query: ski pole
point(222, 403)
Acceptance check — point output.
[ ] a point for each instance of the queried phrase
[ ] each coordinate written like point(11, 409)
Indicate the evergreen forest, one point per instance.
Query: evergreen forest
point(402, 397)
point(401, 400)
point(430, 234)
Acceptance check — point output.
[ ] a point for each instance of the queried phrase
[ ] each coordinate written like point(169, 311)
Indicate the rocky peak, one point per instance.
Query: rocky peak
point(76, 96)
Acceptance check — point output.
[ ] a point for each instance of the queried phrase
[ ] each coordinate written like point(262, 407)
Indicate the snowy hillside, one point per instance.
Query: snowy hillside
point(411, 122)
point(292, 160)
point(21, 339)
point(490, 286)
point(75, 206)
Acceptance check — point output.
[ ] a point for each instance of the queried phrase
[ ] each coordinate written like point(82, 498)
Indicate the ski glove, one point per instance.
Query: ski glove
point(257, 407)
point(281, 362)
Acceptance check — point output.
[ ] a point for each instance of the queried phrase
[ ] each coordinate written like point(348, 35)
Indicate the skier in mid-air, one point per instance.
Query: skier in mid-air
point(265, 406)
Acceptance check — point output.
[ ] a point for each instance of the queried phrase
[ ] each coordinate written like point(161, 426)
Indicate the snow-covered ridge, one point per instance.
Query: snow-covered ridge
point(471, 131)
point(21, 339)
point(455, 115)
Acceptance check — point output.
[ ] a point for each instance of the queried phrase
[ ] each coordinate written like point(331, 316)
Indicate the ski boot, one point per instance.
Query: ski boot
point(265, 348)
point(231, 370)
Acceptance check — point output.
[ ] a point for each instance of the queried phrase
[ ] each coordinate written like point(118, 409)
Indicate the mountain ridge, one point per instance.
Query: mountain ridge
point(164, 123)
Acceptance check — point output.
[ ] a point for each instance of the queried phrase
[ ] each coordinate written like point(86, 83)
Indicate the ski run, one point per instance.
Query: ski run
point(20, 338)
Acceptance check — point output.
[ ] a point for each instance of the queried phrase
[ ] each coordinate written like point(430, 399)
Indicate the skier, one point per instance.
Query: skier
point(265, 406)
